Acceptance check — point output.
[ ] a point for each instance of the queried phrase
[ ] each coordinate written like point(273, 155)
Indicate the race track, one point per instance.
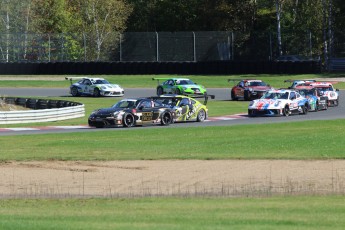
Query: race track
point(220, 93)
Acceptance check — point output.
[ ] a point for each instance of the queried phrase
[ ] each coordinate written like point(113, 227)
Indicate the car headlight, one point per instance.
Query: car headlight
point(277, 103)
point(103, 87)
point(116, 114)
point(184, 88)
point(250, 89)
point(93, 113)
point(251, 103)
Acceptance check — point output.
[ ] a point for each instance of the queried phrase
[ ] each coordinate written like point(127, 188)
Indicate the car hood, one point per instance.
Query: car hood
point(108, 86)
point(106, 111)
point(260, 88)
point(192, 86)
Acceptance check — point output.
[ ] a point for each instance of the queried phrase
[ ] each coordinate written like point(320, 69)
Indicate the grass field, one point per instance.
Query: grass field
point(145, 81)
point(176, 213)
point(297, 140)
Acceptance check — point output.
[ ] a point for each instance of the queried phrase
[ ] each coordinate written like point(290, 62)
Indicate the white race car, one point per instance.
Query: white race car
point(296, 83)
point(326, 89)
point(280, 102)
point(94, 87)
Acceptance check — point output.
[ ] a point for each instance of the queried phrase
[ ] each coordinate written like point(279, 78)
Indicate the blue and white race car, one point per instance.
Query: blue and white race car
point(282, 102)
point(94, 87)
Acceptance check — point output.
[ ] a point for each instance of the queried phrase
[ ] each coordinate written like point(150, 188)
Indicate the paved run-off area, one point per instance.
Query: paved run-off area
point(58, 179)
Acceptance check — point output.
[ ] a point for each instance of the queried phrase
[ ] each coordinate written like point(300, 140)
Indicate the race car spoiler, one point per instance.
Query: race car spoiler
point(205, 96)
point(305, 80)
point(160, 79)
point(241, 79)
point(73, 78)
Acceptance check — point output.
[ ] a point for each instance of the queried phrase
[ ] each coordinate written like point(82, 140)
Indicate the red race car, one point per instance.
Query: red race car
point(248, 89)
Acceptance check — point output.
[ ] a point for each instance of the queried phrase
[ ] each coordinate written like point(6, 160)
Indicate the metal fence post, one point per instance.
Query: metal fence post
point(157, 47)
point(49, 48)
point(120, 47)
point(310, 45)
point(194, 46)
point(232, 46)
point(271, 50)
point(84, 38)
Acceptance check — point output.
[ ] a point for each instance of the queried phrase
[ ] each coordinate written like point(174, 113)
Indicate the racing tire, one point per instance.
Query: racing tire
point(178, 91)
point(246, 95)
point(166, 118)
point(96, 92)
point(317, 106)
point(233, 97)
point(128, 120)
point(159, 91)
point(74, 92)
point(286, 111)
point(251, 113)
point(201, 115)
point(304, 109)
point(336, 102)
point(99, 126)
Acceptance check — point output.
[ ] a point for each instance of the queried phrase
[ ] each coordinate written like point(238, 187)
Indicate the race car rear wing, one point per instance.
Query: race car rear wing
point(160, 79)
point(205, 96)
point(73, 78)
point(239, 79)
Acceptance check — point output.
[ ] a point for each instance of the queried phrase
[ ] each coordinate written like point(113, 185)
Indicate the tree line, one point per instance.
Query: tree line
point(322, 19)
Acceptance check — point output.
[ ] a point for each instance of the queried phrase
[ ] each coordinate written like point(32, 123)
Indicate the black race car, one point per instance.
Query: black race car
point(132, 112)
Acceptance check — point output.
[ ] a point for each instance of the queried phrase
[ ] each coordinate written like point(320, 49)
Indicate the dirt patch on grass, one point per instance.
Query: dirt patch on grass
point(171, 178)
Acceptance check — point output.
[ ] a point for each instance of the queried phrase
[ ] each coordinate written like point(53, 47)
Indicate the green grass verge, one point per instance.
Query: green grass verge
point(216, 108)
point(176, 213)
point(298, 140)
point(139, 81)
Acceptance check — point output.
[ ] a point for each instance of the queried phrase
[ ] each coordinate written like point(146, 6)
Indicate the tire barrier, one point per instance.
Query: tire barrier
point(184, 68)
point(41, 110)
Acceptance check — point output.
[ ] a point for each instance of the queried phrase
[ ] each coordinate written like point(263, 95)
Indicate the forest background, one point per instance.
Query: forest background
point(285, 23)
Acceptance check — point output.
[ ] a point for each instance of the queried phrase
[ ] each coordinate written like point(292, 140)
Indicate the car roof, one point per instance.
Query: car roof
point(321, 84)
point(304, 87)
point(281, 90)
point(252, 80)
point(93, 78)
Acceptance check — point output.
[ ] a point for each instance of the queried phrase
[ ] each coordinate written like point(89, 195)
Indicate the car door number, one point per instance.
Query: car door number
point(147, 116)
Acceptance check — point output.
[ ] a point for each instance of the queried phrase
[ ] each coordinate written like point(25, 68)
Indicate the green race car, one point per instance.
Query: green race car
point(180, 86)
point(185, 108)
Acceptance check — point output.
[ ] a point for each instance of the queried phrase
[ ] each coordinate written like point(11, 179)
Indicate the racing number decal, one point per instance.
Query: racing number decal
point(147, 116)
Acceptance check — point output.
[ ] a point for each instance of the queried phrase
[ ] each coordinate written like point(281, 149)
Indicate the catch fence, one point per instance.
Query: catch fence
point(166, 46)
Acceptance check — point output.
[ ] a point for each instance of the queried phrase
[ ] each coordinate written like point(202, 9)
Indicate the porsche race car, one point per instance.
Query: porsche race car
point(295, 83)
point(248, 89)
point(180, 86)
point(94, 87)
point(316, 101)
point(280, 102)
point(186, 108)
point(326, 89)
point(132, 112)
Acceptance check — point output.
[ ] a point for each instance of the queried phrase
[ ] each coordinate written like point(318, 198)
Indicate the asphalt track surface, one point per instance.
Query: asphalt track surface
point(220, 94)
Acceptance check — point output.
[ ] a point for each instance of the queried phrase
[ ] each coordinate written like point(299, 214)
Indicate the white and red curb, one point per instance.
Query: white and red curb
point(221, 118)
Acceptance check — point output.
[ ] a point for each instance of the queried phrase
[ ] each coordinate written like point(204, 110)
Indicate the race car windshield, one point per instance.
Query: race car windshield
point(99, 82)
point(276, 95)
point(257, 83)
point(306, 92)
point(184, 82)
point(171, 102)
point(125, 104)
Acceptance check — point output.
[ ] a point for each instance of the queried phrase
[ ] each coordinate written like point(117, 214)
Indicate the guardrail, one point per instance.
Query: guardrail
point(42, 110)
